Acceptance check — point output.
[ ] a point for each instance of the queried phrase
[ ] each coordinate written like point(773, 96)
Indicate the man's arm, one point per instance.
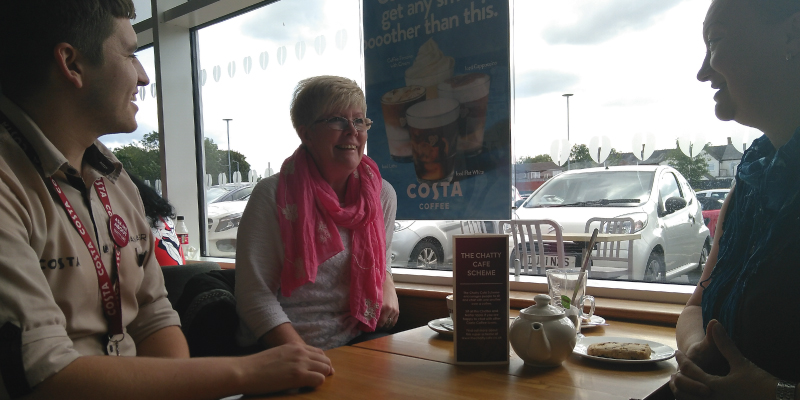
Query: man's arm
point(121, 378)
point(167, 342)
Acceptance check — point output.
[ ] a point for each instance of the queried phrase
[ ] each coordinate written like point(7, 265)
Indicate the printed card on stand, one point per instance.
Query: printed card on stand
point(481, 301)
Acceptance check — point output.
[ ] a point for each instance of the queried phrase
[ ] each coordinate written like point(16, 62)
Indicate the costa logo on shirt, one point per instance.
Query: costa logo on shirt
point(60, 263)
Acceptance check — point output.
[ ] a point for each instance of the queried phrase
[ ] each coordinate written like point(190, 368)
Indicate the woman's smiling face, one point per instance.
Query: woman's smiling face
point(743, 54)
point(336, 153)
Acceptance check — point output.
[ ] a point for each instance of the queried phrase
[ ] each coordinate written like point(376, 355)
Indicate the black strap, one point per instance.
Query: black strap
point(11, 366)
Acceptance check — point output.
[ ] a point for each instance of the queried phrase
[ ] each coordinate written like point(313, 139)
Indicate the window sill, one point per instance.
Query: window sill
point(634, 301)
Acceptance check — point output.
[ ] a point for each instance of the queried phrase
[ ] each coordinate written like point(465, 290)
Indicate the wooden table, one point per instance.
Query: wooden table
point(419, 363)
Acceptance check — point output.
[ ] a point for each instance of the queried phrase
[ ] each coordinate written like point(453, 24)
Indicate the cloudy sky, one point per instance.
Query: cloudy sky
point(630, 65)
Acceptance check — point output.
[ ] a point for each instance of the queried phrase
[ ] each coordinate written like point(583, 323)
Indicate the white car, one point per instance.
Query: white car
point(674, 240)
point(424, 244)
point(714, 193)
point(223, 225)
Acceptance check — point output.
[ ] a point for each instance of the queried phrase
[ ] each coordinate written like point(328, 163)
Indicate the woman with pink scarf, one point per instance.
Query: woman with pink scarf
point(312, 260)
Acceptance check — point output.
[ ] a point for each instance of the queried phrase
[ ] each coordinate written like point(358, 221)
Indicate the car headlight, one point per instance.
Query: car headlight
point(400, 225)
point(229, 222)
point(639, 222)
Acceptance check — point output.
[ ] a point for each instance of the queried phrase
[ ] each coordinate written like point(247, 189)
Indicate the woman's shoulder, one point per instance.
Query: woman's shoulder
point(387, 190)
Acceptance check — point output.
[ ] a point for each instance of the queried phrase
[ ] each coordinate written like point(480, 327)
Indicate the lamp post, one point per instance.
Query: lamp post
point(567, 95)
point(228, 124)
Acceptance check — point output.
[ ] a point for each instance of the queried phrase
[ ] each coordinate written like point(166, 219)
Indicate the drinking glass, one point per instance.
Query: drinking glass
point(563, 281)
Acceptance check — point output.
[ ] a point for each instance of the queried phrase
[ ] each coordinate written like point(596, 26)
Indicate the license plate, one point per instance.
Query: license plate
point(551, 260)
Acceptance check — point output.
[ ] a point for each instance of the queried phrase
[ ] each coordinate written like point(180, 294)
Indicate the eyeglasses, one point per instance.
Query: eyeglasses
point(342, 123)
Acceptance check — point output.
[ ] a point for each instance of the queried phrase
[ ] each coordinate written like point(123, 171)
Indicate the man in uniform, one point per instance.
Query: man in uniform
point(83, 309)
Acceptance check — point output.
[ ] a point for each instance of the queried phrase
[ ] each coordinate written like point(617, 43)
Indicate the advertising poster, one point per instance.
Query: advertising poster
point(438, 92)
point(480, 297)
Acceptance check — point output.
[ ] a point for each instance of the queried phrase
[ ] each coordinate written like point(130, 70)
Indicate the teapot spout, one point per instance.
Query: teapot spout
point(538, 344)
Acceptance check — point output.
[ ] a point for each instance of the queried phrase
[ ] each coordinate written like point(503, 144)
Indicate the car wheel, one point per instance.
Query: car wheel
point(655, 270)
point(695, 274)
point(426, 254)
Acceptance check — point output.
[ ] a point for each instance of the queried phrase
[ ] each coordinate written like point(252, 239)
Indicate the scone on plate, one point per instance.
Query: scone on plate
point(622, 351)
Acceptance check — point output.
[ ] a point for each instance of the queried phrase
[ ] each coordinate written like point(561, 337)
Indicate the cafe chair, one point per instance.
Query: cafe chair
point(613, 250)
point(529, 248)
point(472, 227)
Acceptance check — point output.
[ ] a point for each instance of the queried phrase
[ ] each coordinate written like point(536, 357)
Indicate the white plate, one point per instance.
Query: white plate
point(436, 325)
point(661, 352)
point(596, 320)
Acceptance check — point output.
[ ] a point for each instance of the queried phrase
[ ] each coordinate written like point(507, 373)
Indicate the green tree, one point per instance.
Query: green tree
point(580, 153)
point(217, 161)
point(141, 158)
point(613, 157)
point(693, 169)
point(534, 159)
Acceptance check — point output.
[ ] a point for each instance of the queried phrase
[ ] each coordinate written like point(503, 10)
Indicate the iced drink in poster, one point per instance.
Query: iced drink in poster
point(472, 91)
point(433, 126)
point(430, 68)
point(394, 104)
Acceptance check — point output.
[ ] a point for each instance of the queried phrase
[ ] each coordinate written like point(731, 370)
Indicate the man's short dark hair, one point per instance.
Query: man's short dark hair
point(30, 30)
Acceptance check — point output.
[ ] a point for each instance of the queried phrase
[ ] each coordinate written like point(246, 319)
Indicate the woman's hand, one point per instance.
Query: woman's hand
point(390, 310)
point(706, 355)
point(744, 380)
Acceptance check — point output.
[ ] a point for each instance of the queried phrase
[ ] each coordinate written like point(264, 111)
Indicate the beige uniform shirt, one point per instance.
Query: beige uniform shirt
point(48, 286)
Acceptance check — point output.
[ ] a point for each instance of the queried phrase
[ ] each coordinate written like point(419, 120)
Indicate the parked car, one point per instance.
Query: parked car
point(223, 225)
point(711, 207)
point(229, 192)
point(424, 244)
point(665, 211)
point(225, 207)
point(714, 193)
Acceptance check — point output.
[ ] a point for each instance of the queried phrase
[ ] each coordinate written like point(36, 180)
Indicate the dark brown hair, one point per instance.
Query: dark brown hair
point(776, 10)
point(30, 29)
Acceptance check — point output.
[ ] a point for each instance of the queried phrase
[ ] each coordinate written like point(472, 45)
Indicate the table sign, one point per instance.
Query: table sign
point(481, 306)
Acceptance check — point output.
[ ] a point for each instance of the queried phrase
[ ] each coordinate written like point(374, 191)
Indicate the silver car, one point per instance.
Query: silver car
point(674, 240)
point(424, 244)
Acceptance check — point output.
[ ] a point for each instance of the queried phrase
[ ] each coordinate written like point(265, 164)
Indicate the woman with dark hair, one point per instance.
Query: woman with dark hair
point(168, 250)
point(737, 335)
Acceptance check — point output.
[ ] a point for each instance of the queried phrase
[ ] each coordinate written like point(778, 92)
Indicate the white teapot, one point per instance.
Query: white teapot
point(542, 335)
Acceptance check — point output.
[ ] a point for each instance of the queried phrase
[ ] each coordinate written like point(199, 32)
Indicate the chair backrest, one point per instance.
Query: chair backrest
point(472, 227)
point(612, 251)
point(527, 255)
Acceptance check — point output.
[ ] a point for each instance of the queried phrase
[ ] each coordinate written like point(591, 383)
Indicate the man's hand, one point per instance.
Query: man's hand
point(284, 367)
point(744, 381)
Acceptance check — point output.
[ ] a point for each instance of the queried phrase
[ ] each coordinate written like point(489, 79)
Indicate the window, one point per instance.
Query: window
point(250, 63)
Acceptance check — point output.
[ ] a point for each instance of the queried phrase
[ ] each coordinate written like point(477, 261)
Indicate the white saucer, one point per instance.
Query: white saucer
point(436, 325)
point(596, 320)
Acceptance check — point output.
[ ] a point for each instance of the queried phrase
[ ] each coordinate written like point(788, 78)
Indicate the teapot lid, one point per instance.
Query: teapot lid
point(542, 307)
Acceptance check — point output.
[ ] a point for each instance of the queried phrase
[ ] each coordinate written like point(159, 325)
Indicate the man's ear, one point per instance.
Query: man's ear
point(69, 63)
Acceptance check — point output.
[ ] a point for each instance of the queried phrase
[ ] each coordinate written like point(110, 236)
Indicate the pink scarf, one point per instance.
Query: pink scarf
point(309, 212)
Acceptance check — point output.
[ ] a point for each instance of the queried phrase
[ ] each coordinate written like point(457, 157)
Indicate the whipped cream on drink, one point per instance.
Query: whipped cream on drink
point(430, 68)
point(472, 92)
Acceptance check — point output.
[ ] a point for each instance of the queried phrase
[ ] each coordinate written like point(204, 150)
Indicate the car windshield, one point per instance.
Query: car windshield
point(594, 189)
point(214, 193)
point(710, 204)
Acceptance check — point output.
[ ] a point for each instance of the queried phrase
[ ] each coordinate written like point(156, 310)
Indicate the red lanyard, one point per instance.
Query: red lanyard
point(109, 292)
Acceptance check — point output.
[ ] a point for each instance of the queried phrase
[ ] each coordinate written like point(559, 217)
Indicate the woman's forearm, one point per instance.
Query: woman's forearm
point(689, 329)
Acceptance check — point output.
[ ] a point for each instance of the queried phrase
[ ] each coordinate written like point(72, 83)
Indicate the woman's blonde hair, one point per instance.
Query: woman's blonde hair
point(319, 95)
